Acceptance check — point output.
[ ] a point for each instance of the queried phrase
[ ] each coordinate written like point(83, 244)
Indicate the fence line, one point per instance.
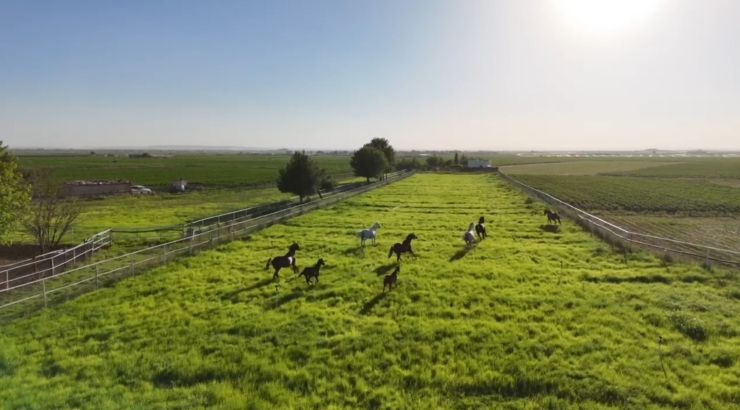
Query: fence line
point(19, 299)
point(621, 236)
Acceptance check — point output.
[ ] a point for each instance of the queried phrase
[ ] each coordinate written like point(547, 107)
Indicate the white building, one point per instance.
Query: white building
point(479, 163)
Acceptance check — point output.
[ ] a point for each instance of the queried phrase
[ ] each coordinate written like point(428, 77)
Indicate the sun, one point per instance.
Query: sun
point(607, 15)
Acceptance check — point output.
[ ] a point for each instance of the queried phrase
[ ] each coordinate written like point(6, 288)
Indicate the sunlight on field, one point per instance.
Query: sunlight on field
point(581, 167)
point(532, 317)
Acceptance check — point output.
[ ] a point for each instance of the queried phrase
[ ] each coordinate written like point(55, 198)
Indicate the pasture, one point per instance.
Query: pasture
point(209, 170)
point(532, 317)
point(581, 167)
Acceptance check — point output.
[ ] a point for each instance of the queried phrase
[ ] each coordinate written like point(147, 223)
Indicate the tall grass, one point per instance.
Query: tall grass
point(499, 326)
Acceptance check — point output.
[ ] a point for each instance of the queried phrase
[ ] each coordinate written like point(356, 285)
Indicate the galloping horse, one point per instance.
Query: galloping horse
point(404, 247)
point(312, 271)
point(480, 229)
point(552, 216)
point(390, 280)
point(368, 233)
point(468, 236)
point(280, 262)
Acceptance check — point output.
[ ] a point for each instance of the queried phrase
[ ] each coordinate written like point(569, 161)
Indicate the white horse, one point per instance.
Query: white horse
point(469, 236)
point(368, 233)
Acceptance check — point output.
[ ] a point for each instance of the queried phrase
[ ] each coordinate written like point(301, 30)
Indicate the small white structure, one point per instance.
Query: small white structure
point(179, 185)
point(479, 163)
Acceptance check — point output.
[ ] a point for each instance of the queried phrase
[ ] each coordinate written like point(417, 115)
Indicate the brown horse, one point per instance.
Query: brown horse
point(552, 216)
point(404, 247)
point(390, 280)
point(312, 271)
point(280, 262)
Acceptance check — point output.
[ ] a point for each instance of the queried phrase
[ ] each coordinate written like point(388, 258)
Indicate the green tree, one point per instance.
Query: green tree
point(368, 162)
point(14, 194)
point(386, 148)
point(301, 176)
point(50, 215)
point(456, 159)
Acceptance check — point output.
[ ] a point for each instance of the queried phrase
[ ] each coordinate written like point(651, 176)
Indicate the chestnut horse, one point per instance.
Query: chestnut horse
point(552, 216)
point(390, 280)
point(404, 247)
point(313, 271)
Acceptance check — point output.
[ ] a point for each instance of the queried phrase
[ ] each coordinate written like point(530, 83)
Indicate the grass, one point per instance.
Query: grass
point(715, 168)
point(498, 326)
point(223, 171)
point(642, 195)
point(581, 167)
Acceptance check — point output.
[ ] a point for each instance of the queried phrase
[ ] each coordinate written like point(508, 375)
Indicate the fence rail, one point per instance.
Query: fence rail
point(16, 300)
point(616, 234)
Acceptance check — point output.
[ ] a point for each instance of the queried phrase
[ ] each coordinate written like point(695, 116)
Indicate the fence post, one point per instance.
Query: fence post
point(7, 281)
point(53, 268)
point(97, 272)
point(132, 265)
point(164, 254)
point(74, 255)
point(43, 284)
point(708, 266)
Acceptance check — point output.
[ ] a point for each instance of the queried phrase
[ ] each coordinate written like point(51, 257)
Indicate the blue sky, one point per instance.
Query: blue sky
point(494, 75)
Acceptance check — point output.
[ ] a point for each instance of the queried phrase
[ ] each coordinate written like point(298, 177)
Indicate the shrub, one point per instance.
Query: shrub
point(692, 327)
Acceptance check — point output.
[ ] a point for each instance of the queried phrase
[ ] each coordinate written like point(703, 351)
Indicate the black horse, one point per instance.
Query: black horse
point(552, 217)
point(312, 271)
point(280, 262)
point(480, 229)
point(404, 247)
point(390, 280)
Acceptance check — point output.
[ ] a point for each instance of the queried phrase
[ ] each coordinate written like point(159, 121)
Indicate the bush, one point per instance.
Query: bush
point(692, 327)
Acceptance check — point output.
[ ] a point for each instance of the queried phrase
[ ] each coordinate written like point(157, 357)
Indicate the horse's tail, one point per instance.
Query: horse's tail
point(390, 253)
point(268, 263)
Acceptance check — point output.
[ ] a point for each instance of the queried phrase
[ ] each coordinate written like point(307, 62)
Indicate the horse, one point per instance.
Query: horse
point(312, 271)
point(404, 247)
point(368, 233)
point(280, 262)
point(552, 216)
point(480, 229)
point(468, 236)
point(390, 280)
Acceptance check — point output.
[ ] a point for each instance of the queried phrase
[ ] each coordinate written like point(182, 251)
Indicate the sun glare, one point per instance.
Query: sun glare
point(607, 15)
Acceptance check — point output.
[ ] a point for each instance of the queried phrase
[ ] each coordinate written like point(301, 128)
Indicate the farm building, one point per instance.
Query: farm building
point(94, 188)
point(479, 163)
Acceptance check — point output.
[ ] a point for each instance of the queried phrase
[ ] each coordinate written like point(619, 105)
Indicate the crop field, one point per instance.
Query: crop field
point(642, 195)
point(580, 167)
point(715, 168)
point(224, 171)
point(531, 317)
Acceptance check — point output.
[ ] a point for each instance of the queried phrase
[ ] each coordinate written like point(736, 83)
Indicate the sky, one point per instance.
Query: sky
point(426, 74)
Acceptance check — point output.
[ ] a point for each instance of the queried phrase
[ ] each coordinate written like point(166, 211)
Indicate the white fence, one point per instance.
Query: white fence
point(16, 300)
point(624, 238)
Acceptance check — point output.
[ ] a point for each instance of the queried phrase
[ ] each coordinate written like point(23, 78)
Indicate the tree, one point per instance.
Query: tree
point(368, 162)
point(50, 215)
point(456, 159)
point(301, 176)
point(14, 193)
point(386, 148)
point(464, 161)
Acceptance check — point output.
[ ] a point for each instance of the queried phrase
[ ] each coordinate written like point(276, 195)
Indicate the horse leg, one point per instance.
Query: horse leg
point(275, 275)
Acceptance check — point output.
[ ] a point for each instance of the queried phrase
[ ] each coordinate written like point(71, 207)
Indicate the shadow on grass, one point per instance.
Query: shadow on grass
point(281, 300)
point(358, 251)
point(461, 253)
point(371, 303)
point(385, 269)
point(259, 284)
point(550, 228)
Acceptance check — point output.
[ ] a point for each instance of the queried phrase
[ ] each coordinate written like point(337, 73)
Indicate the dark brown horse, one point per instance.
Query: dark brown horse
point(552, 216)
point(280, 262)
point(480, 229)
point(404, 247)
point(312, 271)
point(390, 280)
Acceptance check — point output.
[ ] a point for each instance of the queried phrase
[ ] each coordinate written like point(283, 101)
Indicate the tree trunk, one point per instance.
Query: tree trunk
point(368, 180)
point(300, 199)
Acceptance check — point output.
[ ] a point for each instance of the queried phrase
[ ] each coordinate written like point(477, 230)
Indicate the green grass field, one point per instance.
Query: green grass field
point(642, 195)
point(496, 327)
point(224, 171)
point(715, 168)
point(581, 167)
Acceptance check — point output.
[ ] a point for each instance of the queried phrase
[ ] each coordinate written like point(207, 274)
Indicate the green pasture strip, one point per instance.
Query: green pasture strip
point(714, 168)
point(498, 326)
point(641, 195)
point(580, 167)
point(226, 171)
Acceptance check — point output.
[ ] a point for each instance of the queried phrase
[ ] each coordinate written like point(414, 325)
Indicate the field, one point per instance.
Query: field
point(715, 168)
point(221, 171)
point(642, 195)
point(529, 318)
point(581, 167)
